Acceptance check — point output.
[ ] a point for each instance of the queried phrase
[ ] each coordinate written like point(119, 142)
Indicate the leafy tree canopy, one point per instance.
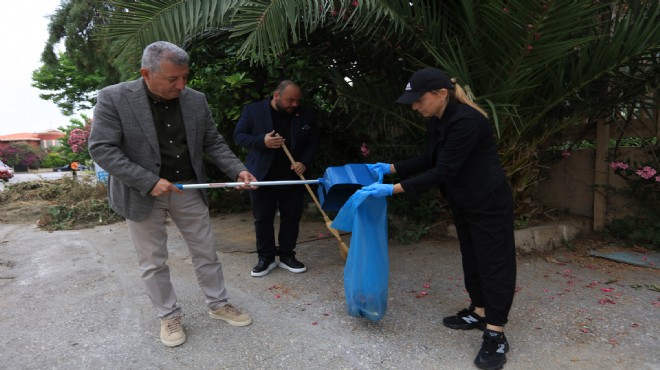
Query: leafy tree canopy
point(72, 77)
point(538, 67)
point(67, 86)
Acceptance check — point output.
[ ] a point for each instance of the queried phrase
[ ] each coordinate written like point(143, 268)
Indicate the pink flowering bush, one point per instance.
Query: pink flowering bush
point(643, 174)
point(646, 173)
point(75, 146)
point(21, 154)
point(619, 165)
point(643, 182)
point(78, 139)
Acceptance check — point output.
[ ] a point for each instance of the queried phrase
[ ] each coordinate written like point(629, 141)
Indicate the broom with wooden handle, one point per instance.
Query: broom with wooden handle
point(343, 248)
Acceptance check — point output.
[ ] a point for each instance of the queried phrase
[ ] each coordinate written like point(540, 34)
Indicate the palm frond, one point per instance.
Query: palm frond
point(135, 24)
point(269, 27)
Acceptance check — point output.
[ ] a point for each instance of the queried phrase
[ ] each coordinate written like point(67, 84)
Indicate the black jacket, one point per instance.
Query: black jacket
point(256, 121)
point(461, 157)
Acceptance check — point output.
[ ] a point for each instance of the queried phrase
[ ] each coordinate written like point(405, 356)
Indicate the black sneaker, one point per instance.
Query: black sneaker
point(465, 320)
point(492, 353)
point(263, 267)
point(292, 264)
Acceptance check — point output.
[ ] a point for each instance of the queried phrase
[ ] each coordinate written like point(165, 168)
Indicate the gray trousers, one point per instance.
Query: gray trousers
point(191, 216)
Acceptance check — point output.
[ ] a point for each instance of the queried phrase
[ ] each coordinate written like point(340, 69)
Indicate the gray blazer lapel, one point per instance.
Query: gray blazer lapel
point(139, 103)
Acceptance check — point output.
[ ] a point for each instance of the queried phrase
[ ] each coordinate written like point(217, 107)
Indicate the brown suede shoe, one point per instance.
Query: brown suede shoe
point(231, 315)
point(171, 332)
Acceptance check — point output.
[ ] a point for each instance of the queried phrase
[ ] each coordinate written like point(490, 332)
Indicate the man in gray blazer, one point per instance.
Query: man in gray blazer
point(149, 134)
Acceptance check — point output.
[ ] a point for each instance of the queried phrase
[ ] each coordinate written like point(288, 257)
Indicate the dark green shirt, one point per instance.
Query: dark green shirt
point(280, 169)
point(174, 155)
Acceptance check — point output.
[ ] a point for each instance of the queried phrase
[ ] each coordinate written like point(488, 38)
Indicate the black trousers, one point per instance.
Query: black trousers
point(486, 235)
point(266, 201)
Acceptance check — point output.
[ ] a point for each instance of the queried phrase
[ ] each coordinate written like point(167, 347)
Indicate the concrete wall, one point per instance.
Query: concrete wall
point(569, 184)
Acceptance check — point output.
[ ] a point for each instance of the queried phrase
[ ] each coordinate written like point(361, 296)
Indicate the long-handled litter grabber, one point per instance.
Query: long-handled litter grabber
point(237, 184)
point(343, 248)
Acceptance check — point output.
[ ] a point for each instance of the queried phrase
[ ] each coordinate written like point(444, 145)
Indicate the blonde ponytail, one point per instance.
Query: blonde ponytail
point(466, 98)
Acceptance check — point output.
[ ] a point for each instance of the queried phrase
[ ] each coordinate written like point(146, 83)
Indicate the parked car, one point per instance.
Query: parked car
point(6, 172)
point(68, 168)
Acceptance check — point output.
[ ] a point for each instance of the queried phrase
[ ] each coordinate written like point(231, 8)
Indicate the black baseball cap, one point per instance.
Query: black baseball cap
point(423, 81)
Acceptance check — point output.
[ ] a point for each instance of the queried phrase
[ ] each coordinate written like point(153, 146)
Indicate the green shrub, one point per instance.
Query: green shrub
point(636, 231)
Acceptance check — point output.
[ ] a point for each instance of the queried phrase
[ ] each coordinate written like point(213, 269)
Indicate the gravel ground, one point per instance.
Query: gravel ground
point(74, 300)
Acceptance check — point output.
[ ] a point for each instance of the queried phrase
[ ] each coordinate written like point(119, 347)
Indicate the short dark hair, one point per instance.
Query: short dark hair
point(284, 84)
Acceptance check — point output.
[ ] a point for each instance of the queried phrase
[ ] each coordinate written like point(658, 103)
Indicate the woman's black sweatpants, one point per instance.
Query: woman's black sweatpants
point(485, 232)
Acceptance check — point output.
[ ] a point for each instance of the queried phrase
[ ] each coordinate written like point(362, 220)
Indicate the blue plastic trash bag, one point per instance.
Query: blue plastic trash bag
point(367, 265)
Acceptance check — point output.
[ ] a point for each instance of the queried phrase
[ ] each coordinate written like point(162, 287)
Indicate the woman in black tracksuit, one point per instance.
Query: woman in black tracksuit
point(461, 158)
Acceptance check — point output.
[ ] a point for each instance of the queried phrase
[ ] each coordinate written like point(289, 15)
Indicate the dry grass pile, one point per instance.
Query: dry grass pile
point(62, 204)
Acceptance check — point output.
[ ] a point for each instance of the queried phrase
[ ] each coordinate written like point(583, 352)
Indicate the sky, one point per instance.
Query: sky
point(24, 30)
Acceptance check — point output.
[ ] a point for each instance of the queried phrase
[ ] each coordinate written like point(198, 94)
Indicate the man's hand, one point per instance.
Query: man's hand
point(379, 190)
point(246, 177)
point(299, 168)
point(164, 187)
point(273, 140)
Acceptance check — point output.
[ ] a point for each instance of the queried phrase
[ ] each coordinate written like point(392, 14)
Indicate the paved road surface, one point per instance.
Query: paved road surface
point(74, 300)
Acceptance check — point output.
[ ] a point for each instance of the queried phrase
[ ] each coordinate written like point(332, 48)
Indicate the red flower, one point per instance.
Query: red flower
point(364, 149)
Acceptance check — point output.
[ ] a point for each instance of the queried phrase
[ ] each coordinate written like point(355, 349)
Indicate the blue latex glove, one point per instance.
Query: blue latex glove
point(379, 169)
point(379, 190)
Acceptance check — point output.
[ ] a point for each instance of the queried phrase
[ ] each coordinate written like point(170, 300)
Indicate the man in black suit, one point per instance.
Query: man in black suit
point(264, 128)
